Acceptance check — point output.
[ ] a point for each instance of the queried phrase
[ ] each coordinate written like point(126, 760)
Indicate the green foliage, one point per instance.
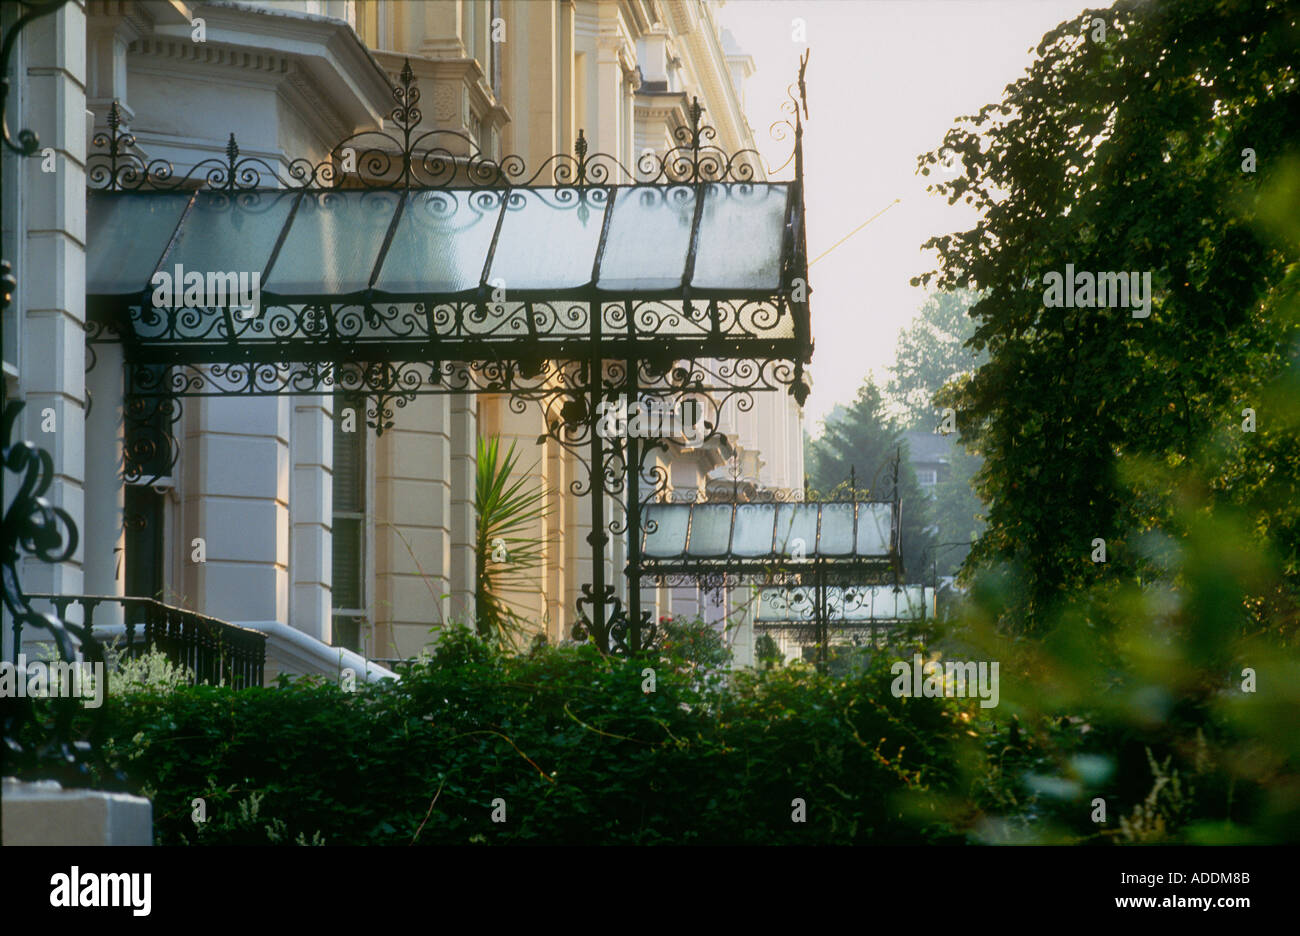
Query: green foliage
point(1126, 680)
point(931, 353)
point(697, 644)
point(507, 553)
point(1125, 154)
point(768, 652)
point(957, 510)
point(151, 671)
point(1164, 807)
point(566, 737)
point(1157, 697)
point(861, 439)
point(245, 824)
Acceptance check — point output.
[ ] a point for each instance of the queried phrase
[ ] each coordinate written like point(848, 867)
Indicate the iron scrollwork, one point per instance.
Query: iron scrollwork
point(614, 633)
point(36, 528)
point(150, 448)
point(418, 158)
point(325, 344)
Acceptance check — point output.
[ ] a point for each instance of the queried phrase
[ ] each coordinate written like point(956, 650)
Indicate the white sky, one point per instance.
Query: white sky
point(886, 79)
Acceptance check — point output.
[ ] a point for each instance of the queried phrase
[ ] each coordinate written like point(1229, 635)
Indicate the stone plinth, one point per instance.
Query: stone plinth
point(43, 813)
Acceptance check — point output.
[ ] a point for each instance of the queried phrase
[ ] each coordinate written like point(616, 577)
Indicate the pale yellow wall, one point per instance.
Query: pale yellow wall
point(565, 65)
point(412, 533)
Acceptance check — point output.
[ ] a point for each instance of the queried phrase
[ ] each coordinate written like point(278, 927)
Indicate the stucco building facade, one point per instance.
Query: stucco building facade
point(271, 513)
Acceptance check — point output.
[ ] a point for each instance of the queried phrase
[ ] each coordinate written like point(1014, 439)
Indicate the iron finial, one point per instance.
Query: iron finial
point(580, 176)
point(803, 88)
point(232, 155)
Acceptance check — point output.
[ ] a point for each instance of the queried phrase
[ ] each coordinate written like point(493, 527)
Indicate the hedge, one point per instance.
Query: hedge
point(557, 746)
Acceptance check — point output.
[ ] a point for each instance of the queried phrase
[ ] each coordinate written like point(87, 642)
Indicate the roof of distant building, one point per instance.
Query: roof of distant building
point(928, 447)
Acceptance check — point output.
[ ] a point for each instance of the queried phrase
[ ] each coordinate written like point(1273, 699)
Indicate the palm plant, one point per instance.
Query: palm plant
point(506, 554)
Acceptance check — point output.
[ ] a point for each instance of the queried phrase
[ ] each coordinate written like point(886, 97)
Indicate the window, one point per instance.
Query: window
point(927, 477)
point(349, 521)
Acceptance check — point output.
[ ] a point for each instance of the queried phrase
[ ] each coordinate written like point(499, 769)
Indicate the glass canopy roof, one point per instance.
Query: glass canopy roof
point(864, 605)
point(711, 268)
point(307, 245)
point(792, 532)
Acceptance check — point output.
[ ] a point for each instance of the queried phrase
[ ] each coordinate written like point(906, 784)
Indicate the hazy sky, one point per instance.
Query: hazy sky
point(886, 79)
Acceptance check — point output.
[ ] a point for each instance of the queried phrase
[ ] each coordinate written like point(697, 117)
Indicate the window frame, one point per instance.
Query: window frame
point(360, 614)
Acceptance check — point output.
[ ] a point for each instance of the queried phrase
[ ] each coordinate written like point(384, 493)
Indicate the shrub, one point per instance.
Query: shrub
point(565, 739)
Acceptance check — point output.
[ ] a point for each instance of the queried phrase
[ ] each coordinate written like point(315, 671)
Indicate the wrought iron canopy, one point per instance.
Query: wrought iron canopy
point(844, 606)
point(409, 262)
point(763, 537)
point(815, 564)
point(449, 274)
point(409, 244)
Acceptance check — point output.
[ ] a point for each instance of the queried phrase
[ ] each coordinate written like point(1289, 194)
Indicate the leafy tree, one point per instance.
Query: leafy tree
point(1128, 149)
point(863, 444)
point(958, 511)
point(932, 352)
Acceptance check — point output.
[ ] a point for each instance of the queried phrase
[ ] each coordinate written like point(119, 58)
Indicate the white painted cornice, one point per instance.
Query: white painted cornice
point(448, 75)
point(130, 19)
point(168, 12)
point(142, 14)
point(287, 75)
point(614, 41)
point(706, 62)
point(326, 51)
point(663, 108)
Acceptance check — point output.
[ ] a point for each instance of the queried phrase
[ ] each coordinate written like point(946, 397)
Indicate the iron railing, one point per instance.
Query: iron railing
point(213, 650)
